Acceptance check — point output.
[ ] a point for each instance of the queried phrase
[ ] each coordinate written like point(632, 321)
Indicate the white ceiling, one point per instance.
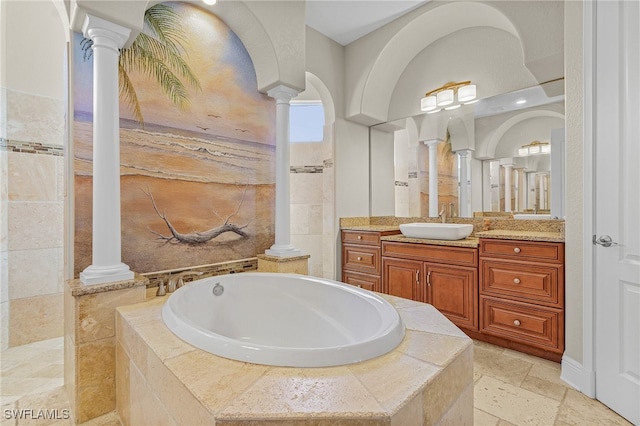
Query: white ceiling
point(347, 20)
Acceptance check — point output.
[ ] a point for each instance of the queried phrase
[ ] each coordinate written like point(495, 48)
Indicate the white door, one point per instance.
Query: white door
point(617, 207)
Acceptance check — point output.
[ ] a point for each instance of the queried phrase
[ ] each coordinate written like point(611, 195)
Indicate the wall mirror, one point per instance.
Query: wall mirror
point(505, 155)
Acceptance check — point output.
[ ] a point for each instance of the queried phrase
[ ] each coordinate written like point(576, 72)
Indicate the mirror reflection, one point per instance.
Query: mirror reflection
point(503, 155)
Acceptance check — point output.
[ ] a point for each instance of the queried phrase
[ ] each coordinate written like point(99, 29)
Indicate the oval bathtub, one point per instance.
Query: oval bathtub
point(283, 319)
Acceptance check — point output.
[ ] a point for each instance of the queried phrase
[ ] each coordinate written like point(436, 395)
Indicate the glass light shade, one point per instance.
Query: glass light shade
point(535, 149)
point(428, 103)
point(456, 106)
point(445, 97)
point(546, 149)
point(467, 93)
point(523, 152)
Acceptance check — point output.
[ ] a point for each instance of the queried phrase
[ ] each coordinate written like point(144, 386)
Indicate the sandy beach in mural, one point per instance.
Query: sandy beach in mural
point(200, 184)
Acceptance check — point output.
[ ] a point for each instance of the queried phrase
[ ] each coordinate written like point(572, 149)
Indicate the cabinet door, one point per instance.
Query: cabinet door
point(452, 290)
point(402, 278)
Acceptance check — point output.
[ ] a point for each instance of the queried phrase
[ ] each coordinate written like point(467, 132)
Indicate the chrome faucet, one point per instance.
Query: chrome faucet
point(443, 213)
point(176, 281)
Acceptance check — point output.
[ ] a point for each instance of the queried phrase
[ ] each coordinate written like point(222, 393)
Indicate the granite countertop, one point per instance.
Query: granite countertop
point(470, 242)
point(378, 228)
point(527, 230)
point(504, 234)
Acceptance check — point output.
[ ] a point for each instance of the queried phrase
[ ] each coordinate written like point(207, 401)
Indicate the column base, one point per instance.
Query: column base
point(104, 274)
point(289, 265)
point(283, 251)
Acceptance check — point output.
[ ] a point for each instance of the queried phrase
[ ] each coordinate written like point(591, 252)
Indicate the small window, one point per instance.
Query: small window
point(306, 122)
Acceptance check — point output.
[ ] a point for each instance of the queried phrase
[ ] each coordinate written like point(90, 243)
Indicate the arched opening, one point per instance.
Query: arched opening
point(313, 226)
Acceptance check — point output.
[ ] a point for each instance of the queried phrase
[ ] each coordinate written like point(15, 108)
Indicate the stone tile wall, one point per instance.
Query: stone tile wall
point(32, 207)
point(307, 189)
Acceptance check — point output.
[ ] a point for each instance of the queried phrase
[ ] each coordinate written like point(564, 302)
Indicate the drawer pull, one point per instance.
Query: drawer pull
point(516, 250)
point(359, 237)
point(516, 323)
point(516, 280)
point(359, 258)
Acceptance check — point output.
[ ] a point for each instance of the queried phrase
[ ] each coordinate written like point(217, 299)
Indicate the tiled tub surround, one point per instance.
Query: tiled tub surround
point(222, 268)
point(427, 379)
point(90, 343)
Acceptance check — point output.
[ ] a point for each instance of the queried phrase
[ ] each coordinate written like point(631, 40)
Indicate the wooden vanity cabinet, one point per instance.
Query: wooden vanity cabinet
point(522, 294)
point(361, 258)
point(444, 276)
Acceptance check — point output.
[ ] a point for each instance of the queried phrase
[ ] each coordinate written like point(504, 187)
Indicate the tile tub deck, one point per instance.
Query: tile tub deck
point(427, 379)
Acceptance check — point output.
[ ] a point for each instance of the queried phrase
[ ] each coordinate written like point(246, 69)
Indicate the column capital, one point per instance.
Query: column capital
point(432, 142)
point(463, 152)
point(282, 93)
point(104, 33)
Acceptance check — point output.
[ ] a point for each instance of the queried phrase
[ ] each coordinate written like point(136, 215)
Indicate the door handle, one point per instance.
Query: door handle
point(604, 241)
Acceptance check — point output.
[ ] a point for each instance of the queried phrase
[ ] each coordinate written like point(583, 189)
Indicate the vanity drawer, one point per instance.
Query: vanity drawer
point(527, 282)
point(529, 324)
point(367, 282)
point(532, 251)
point(361, 237)
point(361, 258)
point(449, 255)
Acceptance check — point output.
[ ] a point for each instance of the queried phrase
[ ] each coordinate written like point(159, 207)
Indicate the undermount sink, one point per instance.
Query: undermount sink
point(437, 231)
point(532, 216)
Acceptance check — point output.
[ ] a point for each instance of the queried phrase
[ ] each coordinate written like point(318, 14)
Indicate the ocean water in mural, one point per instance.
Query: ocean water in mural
point(197, 174)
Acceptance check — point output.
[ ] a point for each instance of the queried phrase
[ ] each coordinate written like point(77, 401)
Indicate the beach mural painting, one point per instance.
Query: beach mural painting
point(197, 145)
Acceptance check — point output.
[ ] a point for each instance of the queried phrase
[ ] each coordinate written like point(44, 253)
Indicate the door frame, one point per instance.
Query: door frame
point(588, 253)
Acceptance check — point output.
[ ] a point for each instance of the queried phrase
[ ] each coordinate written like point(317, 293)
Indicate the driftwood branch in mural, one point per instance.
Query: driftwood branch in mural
point(194, 238)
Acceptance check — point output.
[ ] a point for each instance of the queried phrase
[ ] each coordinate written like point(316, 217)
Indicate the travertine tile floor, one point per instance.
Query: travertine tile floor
point(510, 389)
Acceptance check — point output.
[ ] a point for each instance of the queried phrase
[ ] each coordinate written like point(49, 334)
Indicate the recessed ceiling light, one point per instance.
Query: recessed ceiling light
point(210, 2)
point(521, 101)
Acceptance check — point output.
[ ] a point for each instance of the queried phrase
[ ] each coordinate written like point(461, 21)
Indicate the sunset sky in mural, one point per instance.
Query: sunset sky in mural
point(219, 60)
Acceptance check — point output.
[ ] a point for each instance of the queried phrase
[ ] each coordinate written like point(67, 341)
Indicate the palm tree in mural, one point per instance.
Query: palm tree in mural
point(156, 53)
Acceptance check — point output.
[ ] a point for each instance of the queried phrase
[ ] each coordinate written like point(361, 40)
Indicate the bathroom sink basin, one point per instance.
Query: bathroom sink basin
point(532, 216)
point(436, 231)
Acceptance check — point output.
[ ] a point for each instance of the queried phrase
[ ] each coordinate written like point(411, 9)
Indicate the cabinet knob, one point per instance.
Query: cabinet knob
point(516, 323)
point(359, 237)
point(516, 250)
point(516, 280)
point(359, 258)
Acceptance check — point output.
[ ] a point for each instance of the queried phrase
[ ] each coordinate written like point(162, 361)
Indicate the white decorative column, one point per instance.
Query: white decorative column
point(433, 176)
point(464, 183)
point(507, 187)
point(282, 246)
point(106, 264)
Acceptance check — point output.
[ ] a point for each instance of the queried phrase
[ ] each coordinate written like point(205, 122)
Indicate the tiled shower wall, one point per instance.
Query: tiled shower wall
point(32, 207)
point(306, 183)
point(313, 227)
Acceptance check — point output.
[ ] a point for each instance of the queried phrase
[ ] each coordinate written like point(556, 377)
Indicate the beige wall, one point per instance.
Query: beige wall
point(574, 175)
point(33, 92)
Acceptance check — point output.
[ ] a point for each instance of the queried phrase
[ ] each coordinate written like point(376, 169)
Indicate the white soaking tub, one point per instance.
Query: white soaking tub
point(283, 319)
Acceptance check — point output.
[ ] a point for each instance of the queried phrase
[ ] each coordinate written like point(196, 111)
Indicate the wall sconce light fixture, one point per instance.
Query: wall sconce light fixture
point(534, 148)
point(445, 97)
